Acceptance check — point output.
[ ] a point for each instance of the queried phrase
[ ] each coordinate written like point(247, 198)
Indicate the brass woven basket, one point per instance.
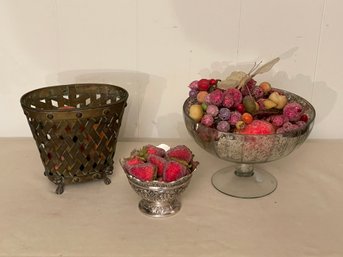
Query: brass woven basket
point(75, 128)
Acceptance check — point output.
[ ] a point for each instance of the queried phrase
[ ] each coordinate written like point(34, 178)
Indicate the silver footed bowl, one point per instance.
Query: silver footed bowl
point(244, 180)
point(159, 199)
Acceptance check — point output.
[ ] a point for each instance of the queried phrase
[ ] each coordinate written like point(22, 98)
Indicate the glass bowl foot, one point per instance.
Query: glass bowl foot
point(251, 183)
point(159, 209)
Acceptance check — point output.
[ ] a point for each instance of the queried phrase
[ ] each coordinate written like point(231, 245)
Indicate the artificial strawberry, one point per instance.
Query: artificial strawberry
point(132, 161)
point(159, 162)
point(143, 171)
point(180, 152)
point(173, 171)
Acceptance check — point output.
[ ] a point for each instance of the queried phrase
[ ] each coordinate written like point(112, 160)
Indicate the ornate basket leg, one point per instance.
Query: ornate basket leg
point(108, 171)
point(60, 186)
point(60, 189)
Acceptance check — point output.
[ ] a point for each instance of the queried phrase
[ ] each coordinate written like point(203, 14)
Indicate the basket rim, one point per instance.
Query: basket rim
point(24, 106)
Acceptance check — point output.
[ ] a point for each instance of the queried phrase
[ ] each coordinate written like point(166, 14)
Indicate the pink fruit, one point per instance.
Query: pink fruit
point(235, 94)
point(228, 101)
point(257, 92)
point(207, 120)
point(194, 85)
point(144, 171)
point(212, 110)
point(278, 120)
point(174, 171)
point(216, 97)
point(258, 127)
point(234, 118)
point(293, 111)
point(223, 126)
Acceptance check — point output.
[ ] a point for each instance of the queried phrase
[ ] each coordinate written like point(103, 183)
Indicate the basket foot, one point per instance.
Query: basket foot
point(60, 189)
point(107, 181)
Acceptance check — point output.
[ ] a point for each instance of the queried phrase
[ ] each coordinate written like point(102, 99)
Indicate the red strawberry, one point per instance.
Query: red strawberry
point(151, 149)
point(134, 160)
point(180, 152)
point(258, 127)
point(173, 171)
point(159, 162)
point(143, 171)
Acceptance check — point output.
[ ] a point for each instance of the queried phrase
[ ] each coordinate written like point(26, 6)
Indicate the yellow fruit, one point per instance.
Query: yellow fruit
point(201, 96)
point(280, 100)
point(268, 104)
point(196, 112)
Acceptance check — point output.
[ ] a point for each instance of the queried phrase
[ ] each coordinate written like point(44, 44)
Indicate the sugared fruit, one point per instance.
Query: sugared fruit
point(258, 127)
point(266, 87)
point(196, 112)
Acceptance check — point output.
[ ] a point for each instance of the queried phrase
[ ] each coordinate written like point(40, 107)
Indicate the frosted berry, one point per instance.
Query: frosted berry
point(228, 101)
point(289, 127)
point(207, 120)
point(193, 93)
point(224, 114)
point(235, 94)
point(278, 120)
point(223, 126)
point(234, 118)
point(212, 110)
point(216, 97)
point(257, 92)
point(194, 85)
point(293, 111)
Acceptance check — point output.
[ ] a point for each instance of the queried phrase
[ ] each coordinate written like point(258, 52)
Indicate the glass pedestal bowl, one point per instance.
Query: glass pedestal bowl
point(244, 180)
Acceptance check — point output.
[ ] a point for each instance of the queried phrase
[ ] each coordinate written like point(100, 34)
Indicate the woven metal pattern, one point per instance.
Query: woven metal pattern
point(75, 128)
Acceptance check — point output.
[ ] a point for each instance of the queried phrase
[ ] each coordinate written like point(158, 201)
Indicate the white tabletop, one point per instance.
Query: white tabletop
point(303, 217)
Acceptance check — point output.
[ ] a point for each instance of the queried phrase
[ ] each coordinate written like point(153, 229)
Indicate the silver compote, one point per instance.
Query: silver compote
point(244, 180)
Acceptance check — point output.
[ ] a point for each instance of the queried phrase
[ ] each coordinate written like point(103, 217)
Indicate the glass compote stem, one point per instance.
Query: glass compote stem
point(244, 181)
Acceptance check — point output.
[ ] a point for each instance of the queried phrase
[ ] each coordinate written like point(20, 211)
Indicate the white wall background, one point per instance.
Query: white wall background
point(154, 48)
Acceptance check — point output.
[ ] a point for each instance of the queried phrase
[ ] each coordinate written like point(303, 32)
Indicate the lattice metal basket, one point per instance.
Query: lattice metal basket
point(76, 128)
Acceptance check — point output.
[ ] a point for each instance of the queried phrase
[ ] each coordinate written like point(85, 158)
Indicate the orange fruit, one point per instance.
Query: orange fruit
point(201, 96)
point(247, 118)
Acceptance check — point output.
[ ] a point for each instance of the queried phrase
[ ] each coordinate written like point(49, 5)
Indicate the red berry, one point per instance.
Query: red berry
point(213, 82)
point(240, 108)
point(304, 118)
